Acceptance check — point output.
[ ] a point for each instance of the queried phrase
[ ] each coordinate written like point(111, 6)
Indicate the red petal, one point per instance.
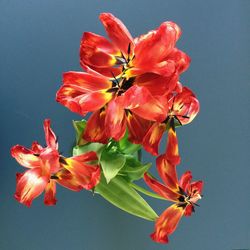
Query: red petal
point(25, 157)
point(167, 223)
point(95, 128)
point(117, 32)
point(172, 150)
point(141, 102)
point(157, 84)
point(115, 121)
point(196, 187)
point(153, 47)
point(167, 172)
point(50, 136)
point(81, 102)
point(152, 138)
point(189, 210)
point(97, 51)
point(86, 82)
point(30, 185)
point(185, 180)
point(108, 72)
point(36, 147)
point(137, 128)
point(186, 106)
point(67, 96)
point(160, 189)
point(182, 60)
point(87, 176)
point(50, 193)
point(67, 180)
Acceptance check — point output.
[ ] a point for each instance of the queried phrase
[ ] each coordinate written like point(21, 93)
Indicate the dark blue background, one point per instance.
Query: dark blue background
point(40, 39)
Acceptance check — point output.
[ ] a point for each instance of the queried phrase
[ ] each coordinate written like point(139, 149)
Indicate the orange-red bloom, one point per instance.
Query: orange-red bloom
point(125, 79)
point(154, 52)
point(46, 167)
point(182, 107)
point(115, 105)
point(183, 193)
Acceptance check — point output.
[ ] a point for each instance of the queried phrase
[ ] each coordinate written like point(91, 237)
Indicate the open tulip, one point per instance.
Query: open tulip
point(183, 106)
point(183, 192)
point(47, 167)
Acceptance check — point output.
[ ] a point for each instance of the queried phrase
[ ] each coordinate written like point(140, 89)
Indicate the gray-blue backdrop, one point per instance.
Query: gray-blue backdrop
point(40, 39)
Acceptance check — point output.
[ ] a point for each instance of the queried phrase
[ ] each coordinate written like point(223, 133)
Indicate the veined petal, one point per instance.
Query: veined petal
point(167, 172)
point(167, 223)
point(137, 127)
point(66, 179)
point(86, 175)
point(50, 193)
point(160, 189)
point(185, 180)
point(156, 84)
point(95, 128)
point(115, 121)
point(81, 102)
point(50, 136)
point(196, 187)
point(86, 82)
point(156, 45)
point(109, 72)
point(97, 51)
point(153, 137)
point(67, 96)
point(153, 110)
point(117, 32)
point(36, 148)
point(172, 150)
point(186, 106)
point(50, 160)
point(30, 185)
point(181, 59)
point(25, 157)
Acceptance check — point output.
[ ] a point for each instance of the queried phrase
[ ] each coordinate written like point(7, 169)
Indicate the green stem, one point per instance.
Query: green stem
point(139, 154)
point(146, 192)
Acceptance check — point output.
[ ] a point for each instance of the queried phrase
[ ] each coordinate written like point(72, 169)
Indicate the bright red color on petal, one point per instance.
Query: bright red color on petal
point(46, 167)
point(184, 193)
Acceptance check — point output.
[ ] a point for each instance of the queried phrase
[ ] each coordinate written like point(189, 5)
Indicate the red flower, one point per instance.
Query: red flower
point(46, 167)
point(183, 193)
point(183, 106)
point(153, 52)
point(115, 105)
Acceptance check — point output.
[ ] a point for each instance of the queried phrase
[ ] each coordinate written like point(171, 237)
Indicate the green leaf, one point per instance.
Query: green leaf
point(120, 194)
point(134, 169)
point(79, 127)
point(126, 147)
point(111, 163)
point(95, 146)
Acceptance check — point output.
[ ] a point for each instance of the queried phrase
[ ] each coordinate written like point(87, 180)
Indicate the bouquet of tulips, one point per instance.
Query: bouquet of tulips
point(131, 87)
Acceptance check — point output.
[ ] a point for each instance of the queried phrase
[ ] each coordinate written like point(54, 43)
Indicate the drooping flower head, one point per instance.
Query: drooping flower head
point(183, 106)
point(46, 167)
point(183, 192)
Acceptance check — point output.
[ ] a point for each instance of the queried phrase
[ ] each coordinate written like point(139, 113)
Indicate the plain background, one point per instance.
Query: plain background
point(40, 39)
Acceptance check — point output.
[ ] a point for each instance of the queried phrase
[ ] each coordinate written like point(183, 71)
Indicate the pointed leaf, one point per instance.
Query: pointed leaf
point(79, 127)
point(111, 163)
point(120, 194)
point(126, 147)
point(134, 169)
point(96, 147)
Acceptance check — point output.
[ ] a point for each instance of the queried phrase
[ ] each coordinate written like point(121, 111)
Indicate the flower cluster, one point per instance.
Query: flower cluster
point(131, 87)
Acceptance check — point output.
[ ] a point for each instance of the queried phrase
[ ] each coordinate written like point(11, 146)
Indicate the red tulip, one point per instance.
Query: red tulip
point(183, 106)
point(47, 166)
point(182, 192)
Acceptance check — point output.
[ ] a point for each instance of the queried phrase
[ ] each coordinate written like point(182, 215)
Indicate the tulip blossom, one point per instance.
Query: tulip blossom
point(115, 106)
point(183, 106)
point(46, 167)
point(183, 192)
point(152, 56)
